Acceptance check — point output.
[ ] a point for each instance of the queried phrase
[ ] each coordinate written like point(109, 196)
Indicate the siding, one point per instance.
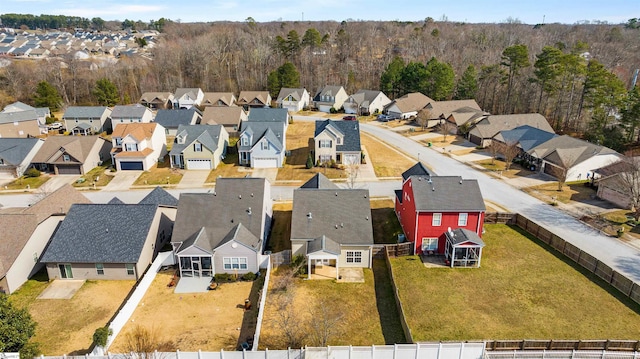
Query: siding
point(366, 256)
point(227, 250)
point(112, 271)
point(324, 151)
point(449, 219)
point(22, 129)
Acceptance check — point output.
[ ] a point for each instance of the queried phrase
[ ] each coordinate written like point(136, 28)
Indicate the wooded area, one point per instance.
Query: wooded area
point(577, 76)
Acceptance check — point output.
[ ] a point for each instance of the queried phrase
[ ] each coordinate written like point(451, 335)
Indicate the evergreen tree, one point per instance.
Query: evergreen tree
point(391, 77)
point(311, 38)
point(467, 86)
point(284, 76)
point(106, 92)
point(16, 326)
point(548, 68)
point(413, 78)
point(47, 96)
point(440, 80)
point(514, 58)
point(631, 113)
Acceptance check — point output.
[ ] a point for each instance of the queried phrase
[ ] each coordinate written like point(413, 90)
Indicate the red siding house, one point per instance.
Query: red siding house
point(428, 207)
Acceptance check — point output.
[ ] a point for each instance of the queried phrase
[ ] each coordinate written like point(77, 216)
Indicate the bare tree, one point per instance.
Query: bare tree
point(325, 322)
point(353, 170)
point(423, 118)
point(561, 170)
point(42, 192)
point(144, 343)
point(288, 320)
point(629, 176)
point(494, 149)
point(508, 150)
point(447, 128)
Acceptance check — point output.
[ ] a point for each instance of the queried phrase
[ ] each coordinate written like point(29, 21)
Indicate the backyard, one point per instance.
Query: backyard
point(386, 226)
point(522, 290)
point(190, 321)
point(280, 238)
point(353, 313)
point(66, 326)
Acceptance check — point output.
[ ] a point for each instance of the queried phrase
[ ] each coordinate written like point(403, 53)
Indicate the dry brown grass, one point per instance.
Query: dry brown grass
point(386, 160)
point(575, 191)
point(514, 171)
point(66, 326)
point(229, 167)
point(386, 226)
point(280, 238)
point(195, 321)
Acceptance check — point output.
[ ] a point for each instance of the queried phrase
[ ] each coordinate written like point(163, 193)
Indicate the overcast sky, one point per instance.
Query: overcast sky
point(474, 11)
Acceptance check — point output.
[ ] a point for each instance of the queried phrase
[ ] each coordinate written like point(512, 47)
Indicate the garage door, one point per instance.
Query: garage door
point(198, 164)
point(69, 170)
point(350, 159)
point(132, 166)
point(264, 163)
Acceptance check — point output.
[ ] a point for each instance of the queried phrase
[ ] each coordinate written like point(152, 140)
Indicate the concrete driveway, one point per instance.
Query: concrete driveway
point(122, 181)
point(193, 178)
point(58, 181)
point(268, 173)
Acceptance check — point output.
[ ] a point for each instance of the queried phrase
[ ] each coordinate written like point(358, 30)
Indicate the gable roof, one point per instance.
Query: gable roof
point(344, 215)
point(59, 201)
point(220, 211)
point(149, 97)
point(526, 137)
point(174, 118)
point(239, 233)
point(350, 130)
point(272, 131)
point(14, 150)
point(247, 97)
point(18, 116)
point(129, 111)
point(416, 170)
point(159, 196)
point(568, 151)
point(137, 130)
point(77, 147)
point(492, 124)
point(17, 107)
point(296, 93)
point(446, 108)
point(192, 92)
point(214, 98)
point(319, 181)
point(101, 233)
point(446, 194)
point(269, 115)
point(207, 135)
point(85, 112)
point(466, 114)
point(115, 200)
point(226, 116)
point(364, 97)
point(323, 244)
point(331, 91)
point(410, 102)
point(463, 235)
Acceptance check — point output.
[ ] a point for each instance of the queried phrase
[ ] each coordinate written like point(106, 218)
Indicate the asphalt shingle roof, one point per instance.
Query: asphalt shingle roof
point(319, 181)
point(175, 118)
point(463, 235)
point(129, 111)
point(273, 131)
point(85, 112)
point(219, 99)
point(229, 117)
point(331, 91)
point(77, 147)
point(446, 194)
point(526, 136)
point(323, 244)
point(160, 197)
point(207, 135)
point(269, 115)
point(14, 150)
point(18, 116)
point(568, 151)
point(491, 125)
point(101, 233)
point(350, 130)
point(416, 170)
point(295, 93)
point(410, 102)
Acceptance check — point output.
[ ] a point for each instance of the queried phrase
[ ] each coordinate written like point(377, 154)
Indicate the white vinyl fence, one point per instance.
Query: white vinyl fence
point(263, 300)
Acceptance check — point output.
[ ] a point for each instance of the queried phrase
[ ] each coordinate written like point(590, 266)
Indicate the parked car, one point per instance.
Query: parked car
point(349, 118)
point(385, 118)
point(55, 126)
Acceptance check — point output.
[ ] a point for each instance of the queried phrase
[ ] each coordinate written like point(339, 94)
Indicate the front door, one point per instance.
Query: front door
point(196, 269)
point(65, 271)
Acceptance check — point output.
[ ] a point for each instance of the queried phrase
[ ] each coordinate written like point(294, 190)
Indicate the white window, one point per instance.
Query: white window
point(462, 219)
point(197, 147)
point(118, 141)
point(245, 141)
point(264, 145)
point(429, 244)
point(437, 219)
point(325, 144)
point(234, 263)
point(100, 268)
point(66, 158)
point(325, 158)
point(130, 269)
point(338, 141)
point(131, 147)
point(354, 256)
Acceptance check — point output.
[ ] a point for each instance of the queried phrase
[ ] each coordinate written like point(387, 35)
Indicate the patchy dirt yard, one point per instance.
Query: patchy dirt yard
point(190, 322)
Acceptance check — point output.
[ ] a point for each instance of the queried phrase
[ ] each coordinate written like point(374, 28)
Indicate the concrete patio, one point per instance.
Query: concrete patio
point(193, 285)
point(62, 289)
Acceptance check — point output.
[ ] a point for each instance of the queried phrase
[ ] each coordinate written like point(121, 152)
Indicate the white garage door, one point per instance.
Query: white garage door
point(350, 159)
point(198, 164)
point(264, 162)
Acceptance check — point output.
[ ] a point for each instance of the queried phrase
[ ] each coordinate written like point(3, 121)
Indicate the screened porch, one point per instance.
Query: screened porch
point(463, 248)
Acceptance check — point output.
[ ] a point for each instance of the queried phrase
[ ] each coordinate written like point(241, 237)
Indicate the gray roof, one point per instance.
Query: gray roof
point(319, 181)
point(18, 116)
point(416, 170)
point(115, 200)
point(160, 197)
point(323, 244)
point(269, 115)
point(350, 130)
point(364, 97)
point(192, 92)
point(272, 131)
point(241, 234)
point(327, 91)
point(18, 106)
point(491, 125)
point(129, 111)
point(85, 112)
point(220, 211)
point(175, 118)
point(410, 102)
point(446, 194)
point(463, 235)
point(207, 135)
point(286, 91)
point(14, 150)
point(526, 137)
point(344, 215)
point(101, 233)
point(568, 151)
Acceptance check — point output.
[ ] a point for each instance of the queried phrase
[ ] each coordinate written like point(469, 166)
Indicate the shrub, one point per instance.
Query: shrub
point(309, 161)
point(30, 350)
point(224, 277)
point(101, 335)
point(333, 110)
point(32, 172)
point(298, 264)
point(249, 277)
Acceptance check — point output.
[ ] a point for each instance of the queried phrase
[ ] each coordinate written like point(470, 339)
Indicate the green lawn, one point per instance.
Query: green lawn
point(27, 182)
point(96, 175)
point(522, 290)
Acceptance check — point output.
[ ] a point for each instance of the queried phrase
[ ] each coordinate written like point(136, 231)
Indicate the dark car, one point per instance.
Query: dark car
point(349, 118)
point(385, 118)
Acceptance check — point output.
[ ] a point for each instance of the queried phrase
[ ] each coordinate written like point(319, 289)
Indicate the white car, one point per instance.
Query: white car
point(55, 126)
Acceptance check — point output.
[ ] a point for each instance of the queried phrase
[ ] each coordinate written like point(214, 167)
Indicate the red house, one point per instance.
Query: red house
point(428, 207)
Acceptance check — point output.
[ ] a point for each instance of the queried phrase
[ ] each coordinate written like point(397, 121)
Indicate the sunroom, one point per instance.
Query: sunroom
point(463, 248)
point(322, 258)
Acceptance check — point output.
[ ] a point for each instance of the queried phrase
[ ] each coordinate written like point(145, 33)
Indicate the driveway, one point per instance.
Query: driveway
point(58, 181)
point(122, 181)
point(268, 173)
point(193, 179)
point(620, 256)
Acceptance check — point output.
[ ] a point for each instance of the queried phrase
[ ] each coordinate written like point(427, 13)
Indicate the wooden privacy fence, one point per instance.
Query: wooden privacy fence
point(403, 319)
point(400, 249)
point(499, 218)
point(613, 345)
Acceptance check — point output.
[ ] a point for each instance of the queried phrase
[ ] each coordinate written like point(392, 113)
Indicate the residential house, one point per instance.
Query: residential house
point(428, 207)
point(440, 111)
point(262, 144)
point(172, 119)
point(157, 100)
point(231, 240)
point(87, 120)
point(337, 141)
point(199, 147)
point(71, 155)
point(524, 137)
point(123, 114)
point(571, 159)
point(280, 115)
point(187, 98)
point(366, 102)
point(484, 130)
point(105, 241)
point(254, 99)
point(42, 113)
point(331, 227)
point(27, 232)
point(466, 117)
point(293, 99)
point(330, 97)
point(19, 124)
point(219, 99)
point(138, 146)
point(229, 117)
point(617, 183)
point(407, 106)
point(16, 155)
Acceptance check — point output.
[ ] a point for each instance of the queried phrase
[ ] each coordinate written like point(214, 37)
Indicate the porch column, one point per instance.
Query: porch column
point(479, 256)
point(337, 268)
point(308, 267)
